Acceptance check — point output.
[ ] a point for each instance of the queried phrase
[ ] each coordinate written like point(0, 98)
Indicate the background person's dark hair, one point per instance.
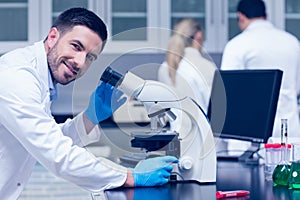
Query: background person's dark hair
point(252, 8)
point(81, 16)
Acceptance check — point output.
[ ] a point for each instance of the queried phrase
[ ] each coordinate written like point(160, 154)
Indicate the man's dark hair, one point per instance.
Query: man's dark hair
point(81, 16)
point(252, 8)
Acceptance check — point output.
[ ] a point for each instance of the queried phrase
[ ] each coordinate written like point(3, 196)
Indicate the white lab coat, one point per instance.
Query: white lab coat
point(28, 132)
point(262, 46)
point(194, 78)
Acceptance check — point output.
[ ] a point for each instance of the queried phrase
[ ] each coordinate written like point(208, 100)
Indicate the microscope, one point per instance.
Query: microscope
point(191, 141)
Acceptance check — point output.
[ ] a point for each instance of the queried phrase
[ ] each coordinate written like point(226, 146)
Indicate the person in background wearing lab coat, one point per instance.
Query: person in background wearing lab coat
point(188, 68)
point(28, 132)
point(263, 46)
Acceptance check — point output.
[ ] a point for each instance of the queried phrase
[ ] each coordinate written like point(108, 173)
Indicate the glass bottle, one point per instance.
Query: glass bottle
point(282, 171)
point(294, 179)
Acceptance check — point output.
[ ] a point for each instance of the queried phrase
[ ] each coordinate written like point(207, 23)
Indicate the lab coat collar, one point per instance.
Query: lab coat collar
point(44, 71)
point(260, 23)
point(195, 53)
point(191, 50)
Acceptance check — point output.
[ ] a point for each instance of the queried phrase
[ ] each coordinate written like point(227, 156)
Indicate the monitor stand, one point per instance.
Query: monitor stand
point(247, 156)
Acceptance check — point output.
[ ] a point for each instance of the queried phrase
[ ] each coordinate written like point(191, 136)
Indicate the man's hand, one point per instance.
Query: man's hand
point(103, 102)
point(153, 171)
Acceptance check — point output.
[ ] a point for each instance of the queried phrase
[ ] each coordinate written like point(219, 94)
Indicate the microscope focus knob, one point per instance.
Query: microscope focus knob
point(185, 163)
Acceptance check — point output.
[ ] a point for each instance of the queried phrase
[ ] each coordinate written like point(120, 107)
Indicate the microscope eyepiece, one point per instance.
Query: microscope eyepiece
point(112, 77)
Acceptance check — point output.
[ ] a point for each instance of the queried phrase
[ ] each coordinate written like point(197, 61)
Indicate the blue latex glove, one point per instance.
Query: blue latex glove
point(103, 102)
point(153, 171)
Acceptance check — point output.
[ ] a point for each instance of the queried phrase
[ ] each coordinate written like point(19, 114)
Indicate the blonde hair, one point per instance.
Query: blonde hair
point(182, 36)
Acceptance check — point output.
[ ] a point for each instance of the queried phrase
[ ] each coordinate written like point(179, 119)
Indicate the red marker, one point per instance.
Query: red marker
point(235, 193)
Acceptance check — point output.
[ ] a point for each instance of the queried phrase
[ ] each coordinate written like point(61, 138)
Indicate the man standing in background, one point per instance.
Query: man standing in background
point(262, 46)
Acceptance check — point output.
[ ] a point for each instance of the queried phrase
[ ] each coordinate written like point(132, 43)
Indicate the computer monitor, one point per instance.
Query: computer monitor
point(243, 105)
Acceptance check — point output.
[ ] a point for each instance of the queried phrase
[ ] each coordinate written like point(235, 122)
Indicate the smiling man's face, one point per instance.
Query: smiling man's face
point(71, 54)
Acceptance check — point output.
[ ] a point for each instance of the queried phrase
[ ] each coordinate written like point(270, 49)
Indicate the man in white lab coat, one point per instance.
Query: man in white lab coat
point(262, 46)
point(28, 132)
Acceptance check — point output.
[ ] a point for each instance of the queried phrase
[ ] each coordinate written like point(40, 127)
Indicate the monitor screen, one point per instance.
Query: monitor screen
point(243, 104)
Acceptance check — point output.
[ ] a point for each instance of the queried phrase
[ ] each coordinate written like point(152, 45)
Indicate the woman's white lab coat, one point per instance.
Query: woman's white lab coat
point(194, 77)
point(28, 132)
point(262, 46)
